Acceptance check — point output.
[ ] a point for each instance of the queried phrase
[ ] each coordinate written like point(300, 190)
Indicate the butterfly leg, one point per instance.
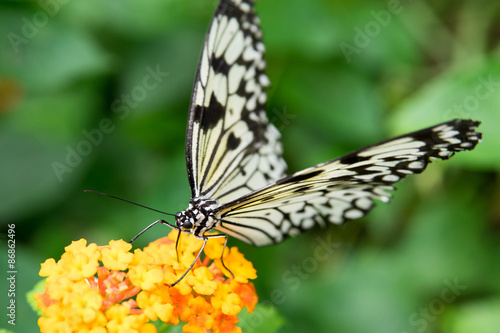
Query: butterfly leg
point(222, 257)
point(177, 245)
point(152, 224)
point(205, 239)
point(194, 262)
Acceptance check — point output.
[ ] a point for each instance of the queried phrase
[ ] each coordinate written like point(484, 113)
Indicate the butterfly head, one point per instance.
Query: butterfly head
point(184, 220)
point(198, 218)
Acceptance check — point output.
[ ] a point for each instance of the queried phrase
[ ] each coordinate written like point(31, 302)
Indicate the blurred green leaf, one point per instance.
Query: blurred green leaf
point(294, 33)
point(163, 67)
point(129, 18)
point(335, 101)
point(480, 317)
point(264, 319)
point(49, 56)
point(3, 330)
point(40, 143)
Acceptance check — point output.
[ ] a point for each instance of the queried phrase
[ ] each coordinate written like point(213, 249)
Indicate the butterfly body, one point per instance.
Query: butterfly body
point(199, 217)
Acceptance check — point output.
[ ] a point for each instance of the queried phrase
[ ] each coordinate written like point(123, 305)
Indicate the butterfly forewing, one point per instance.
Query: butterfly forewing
point(231, 149)
point(341, 189)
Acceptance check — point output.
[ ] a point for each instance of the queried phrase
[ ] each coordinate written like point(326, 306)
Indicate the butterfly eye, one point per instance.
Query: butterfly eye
point(186, 224)
point(183, 221)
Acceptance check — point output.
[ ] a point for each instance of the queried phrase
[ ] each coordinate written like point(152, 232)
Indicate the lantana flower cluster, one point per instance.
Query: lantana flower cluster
point(110, 289)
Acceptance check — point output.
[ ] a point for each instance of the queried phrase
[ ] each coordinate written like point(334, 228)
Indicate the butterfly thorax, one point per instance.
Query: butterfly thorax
point(199, 217)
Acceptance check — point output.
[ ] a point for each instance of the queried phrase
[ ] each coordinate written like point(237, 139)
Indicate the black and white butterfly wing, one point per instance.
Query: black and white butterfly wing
point(231, 149)
point(341, 189)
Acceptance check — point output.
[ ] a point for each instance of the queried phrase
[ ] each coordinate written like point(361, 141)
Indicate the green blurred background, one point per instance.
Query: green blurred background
point(344, 75)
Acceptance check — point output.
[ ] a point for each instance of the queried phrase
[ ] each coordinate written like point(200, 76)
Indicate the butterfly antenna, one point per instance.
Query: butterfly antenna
point(134, 203)
point(130, 202)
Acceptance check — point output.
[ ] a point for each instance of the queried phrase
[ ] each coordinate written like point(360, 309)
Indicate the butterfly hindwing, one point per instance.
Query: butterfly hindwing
point(341, 189)
point(231, 149)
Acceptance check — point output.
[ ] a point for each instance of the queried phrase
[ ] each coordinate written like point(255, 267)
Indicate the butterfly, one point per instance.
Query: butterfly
point(236, 171)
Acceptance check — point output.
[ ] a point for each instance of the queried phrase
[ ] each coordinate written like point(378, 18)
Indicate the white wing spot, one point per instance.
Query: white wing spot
point(263, 98)
point(229, 31)
point(249, 54)
point(264, 80)
point(390, 178)
point(363, 203)
point(250, 86)
point(385, 199)
point(307, 223)
point(235, 48)
point(245, 7)
point(416, 165)
point(353, 214)
point(448, 134)
point(235, 76)
point(293, 231)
